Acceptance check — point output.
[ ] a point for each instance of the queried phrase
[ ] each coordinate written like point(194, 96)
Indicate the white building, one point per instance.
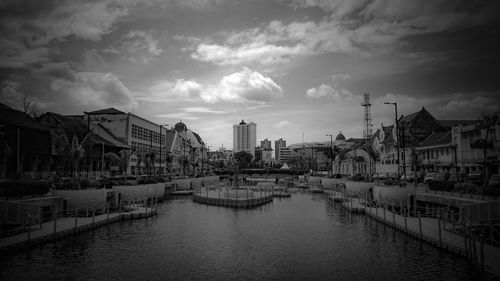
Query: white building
point(245, 137)
point(135, 131)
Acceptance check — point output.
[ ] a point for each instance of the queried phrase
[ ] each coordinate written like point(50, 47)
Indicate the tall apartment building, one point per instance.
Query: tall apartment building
point(281, 143)
point(266, 144)
point(245, 137)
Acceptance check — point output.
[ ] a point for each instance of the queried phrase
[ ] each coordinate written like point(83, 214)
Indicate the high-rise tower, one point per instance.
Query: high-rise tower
point(245, 137)
point(281, 143)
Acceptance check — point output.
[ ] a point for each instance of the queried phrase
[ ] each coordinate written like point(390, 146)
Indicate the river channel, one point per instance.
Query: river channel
point(302, 238)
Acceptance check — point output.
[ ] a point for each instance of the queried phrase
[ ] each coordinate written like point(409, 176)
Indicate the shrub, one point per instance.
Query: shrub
point(466, 187)
point(441, 185)
point(13, 188)
point(36, 188)
point(84, 183)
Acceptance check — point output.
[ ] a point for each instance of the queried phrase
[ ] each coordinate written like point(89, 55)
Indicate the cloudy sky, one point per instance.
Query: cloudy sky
point(292, 67)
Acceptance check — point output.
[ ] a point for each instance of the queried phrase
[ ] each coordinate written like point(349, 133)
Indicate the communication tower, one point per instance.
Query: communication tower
point(367, 131)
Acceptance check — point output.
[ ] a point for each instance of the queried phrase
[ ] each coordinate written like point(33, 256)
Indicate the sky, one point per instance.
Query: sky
point(298, 68)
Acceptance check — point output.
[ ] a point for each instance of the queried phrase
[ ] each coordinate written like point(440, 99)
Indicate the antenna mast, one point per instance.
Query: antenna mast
point(367, 131)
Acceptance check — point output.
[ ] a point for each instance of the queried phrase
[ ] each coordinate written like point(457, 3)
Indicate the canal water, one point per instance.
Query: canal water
point(302, 238)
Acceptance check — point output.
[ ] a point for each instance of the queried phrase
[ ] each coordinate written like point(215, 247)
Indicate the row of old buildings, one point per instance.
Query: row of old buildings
point(102, 142)
point(417, 144)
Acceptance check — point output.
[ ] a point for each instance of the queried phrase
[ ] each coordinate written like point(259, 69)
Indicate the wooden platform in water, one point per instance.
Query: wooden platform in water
point(430, 230)
point(67, 226)
point(182, 192)
point(233, 202)
point(281, 194)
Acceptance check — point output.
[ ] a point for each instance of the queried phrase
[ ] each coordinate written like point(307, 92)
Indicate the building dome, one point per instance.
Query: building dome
point(180, 127)
point(242, 122)
point(340, 137)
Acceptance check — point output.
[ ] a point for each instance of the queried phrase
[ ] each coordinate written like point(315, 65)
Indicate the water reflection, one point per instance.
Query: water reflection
point(302, 238)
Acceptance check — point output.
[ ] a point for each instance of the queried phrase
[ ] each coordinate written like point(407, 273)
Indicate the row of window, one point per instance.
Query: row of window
point(436, 153)
point(141, 133)
point(138, 145)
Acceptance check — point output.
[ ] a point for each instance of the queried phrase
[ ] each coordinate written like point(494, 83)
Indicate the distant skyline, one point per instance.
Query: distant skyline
point(294, 68)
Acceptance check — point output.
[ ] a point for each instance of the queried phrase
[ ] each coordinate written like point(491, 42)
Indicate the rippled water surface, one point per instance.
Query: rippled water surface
point(303, 238)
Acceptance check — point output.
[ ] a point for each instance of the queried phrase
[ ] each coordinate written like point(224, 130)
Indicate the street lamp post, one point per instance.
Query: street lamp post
point(161, 143)
point(397, 132)
point(331, 154)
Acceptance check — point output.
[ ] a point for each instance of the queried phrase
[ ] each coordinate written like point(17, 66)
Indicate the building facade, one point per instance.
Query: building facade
point(25, 146)
point(245, 137)
point(141, 134)
point(278, 144)
point(266, 144)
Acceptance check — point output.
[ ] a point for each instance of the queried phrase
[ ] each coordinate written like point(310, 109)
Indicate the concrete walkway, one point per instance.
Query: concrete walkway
point(431, 230)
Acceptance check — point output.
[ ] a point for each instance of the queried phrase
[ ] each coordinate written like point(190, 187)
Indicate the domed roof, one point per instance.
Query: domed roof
point(180, 127)
point(242, 122)
point(340, 137)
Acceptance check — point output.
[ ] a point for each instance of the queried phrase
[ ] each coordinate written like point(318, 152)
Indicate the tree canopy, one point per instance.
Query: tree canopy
point(243, 159)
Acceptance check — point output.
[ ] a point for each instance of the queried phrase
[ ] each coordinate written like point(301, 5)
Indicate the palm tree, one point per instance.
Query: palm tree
point(183, 161)
point(113, 159)
point(62, 148)
point(124, 159)
point(77, 152)
point(146, 156)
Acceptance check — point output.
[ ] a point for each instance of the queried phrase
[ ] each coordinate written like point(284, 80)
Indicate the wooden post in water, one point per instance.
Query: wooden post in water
point(54, 215)
point(465, 240)
point(439, 228)
point(419, 224)
point(482, 255)
point(29, 228)
point(87, 209)
point(384, 206)
point(76, 219)
point(393, 218)
point(406, 223)
point(93, 215)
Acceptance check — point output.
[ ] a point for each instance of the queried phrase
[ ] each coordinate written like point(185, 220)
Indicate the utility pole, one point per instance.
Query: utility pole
point(161, 144)
point(397, 132)
point(331, 154)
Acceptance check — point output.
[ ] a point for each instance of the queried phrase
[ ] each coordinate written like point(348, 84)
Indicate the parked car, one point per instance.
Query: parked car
point(476, 178)
point(409, 177)
point(441, 181)
point(494, 181)
point(428, 177)
point(493, 186)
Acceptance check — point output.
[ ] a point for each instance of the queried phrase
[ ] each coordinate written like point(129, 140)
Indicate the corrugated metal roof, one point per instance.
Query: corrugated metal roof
point(110, 110)
point(437, 138)
point(12, 117)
